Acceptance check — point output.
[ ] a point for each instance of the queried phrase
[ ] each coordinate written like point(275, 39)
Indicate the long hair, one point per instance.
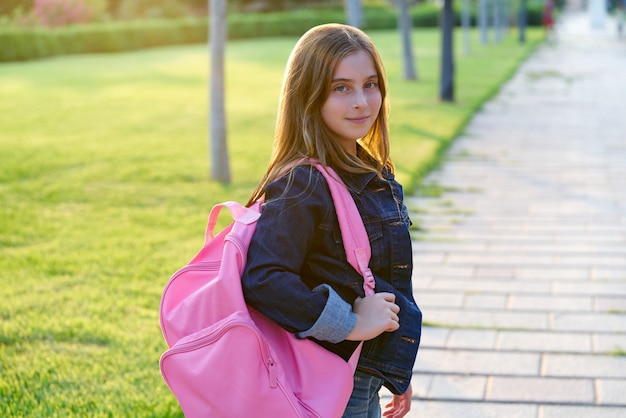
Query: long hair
point(300, 130)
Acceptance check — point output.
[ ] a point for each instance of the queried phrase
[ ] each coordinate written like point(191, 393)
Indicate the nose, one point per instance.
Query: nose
point(360, 99)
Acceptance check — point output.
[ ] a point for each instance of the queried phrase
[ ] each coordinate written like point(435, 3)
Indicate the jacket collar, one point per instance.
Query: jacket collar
point(358, 182)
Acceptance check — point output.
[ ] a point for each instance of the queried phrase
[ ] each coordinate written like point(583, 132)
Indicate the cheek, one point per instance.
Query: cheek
point(326, 113)
point(376, 100)
point(331, 109)
point(333, 103)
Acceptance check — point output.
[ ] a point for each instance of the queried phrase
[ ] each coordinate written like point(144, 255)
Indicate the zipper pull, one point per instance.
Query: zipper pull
point(272, 369)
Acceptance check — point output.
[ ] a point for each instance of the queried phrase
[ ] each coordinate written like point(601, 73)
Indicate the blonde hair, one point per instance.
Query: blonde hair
point(300, 131)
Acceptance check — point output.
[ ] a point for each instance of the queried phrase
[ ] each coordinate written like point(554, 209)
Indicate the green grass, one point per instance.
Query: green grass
point(104, 193)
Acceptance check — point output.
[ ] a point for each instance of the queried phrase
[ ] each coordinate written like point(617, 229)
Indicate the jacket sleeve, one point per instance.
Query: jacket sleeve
point(336, 320)
point(293, 210)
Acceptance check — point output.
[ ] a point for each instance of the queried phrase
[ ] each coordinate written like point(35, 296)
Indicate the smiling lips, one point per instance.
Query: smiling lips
point(358, 120)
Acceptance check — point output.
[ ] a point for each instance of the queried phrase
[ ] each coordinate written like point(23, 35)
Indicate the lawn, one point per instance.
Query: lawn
point(104, 193)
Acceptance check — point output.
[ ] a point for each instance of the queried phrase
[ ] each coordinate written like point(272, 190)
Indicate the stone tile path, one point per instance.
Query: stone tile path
point(520, 262)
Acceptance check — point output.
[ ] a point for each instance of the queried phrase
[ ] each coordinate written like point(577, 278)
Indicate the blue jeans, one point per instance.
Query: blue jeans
point(364, 401)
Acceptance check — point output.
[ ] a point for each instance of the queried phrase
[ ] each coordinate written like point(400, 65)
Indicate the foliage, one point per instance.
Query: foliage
point(53, 13)
point(64, 12)
point(25, 44)
point(32, 43)
point(148, 9)
point(8, 7)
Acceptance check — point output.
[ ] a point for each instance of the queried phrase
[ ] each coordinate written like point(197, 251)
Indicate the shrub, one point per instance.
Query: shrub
point(31, 43)
point(152, 9)
point(53, 13)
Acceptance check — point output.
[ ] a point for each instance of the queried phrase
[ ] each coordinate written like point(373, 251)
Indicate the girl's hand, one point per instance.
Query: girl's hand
point(399, 405)
point(375, 314)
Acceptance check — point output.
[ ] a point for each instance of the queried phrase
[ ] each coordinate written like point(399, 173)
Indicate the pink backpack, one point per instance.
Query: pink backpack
point(227, 359)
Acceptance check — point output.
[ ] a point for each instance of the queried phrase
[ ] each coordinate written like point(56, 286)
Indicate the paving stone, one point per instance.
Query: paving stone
point(563, 411)
point(610, 304)
point(486, 301)
point(557, 342)
point(485, 319)
point(435, 298)
point(604, 273)
point(429, 409)
point(428, 257)
point(466, 388)
point(590, 288)
point(609, 343)
point(552, 274)
point(434, 337)
point(420, 383)
point(500, 286)
point(540, 390)
point(472, 339)
point(594, 366)
point(477, 362)
point(551, 303)
point(591, 322)
point(496, 272)
point(487, 259)
point(438, 271)
point(611, 392)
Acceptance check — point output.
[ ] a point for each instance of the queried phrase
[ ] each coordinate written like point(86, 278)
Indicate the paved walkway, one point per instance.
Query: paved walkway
point(521, 262)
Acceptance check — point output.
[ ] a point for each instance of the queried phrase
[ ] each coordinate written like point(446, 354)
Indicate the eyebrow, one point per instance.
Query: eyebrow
point(349, 79)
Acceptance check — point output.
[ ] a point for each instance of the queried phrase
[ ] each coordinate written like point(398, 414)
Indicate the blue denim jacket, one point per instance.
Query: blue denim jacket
point(297, 273)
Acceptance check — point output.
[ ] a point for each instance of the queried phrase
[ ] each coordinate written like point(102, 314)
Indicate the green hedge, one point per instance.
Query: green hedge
point(17, 44)
point(24, 44)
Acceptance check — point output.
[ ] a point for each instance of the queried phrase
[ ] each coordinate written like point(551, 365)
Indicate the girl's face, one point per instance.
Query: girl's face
point(354, 101)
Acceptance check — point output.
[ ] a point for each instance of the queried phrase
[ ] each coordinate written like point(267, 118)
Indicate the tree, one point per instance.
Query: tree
point(522, 19)
point(220, 170)
point(466, 23)
point(405, 26)
point(446, 85)
point(354, 12)
point(483, 21)
point(497, 20)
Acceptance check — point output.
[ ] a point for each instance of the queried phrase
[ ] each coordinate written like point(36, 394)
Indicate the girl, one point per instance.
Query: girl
point(334, 108)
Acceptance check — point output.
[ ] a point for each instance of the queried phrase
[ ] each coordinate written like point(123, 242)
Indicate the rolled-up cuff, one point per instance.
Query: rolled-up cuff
point(336, 321)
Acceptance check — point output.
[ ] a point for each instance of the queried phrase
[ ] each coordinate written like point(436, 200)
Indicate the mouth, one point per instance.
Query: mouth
point(358, 120)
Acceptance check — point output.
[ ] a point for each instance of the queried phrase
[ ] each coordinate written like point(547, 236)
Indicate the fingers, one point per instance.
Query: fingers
point(400, 405)
point(375, 314)
point(391, 309)
point(393, 326)
point(389, 297)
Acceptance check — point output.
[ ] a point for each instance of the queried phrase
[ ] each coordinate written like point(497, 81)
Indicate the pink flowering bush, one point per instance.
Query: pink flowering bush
point(64, 12)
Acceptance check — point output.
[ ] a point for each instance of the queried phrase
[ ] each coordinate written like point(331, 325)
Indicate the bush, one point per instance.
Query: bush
point(8, 7)
point(65, 12)
point(151, 9)
point(32, 43)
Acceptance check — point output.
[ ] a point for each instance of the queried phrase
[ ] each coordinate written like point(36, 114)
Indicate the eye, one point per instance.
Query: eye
point(341, 88)
point(371, 85)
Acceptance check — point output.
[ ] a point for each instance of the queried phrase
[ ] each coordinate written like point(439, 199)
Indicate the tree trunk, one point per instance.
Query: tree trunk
point(522, 19)
point(354, 13)
point(405, 26)
point(483, 20)
point(497, 20)
point(446, 89)
point(467, 26)
point(220, 170)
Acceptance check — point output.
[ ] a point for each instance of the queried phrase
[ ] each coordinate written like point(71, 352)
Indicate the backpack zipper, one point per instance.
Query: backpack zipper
point(204, 340)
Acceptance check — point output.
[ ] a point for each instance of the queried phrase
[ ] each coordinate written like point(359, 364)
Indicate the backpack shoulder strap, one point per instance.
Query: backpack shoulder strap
point(353, 233)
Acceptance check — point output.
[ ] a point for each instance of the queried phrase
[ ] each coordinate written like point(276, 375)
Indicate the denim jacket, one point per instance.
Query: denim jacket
point(297, 273)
